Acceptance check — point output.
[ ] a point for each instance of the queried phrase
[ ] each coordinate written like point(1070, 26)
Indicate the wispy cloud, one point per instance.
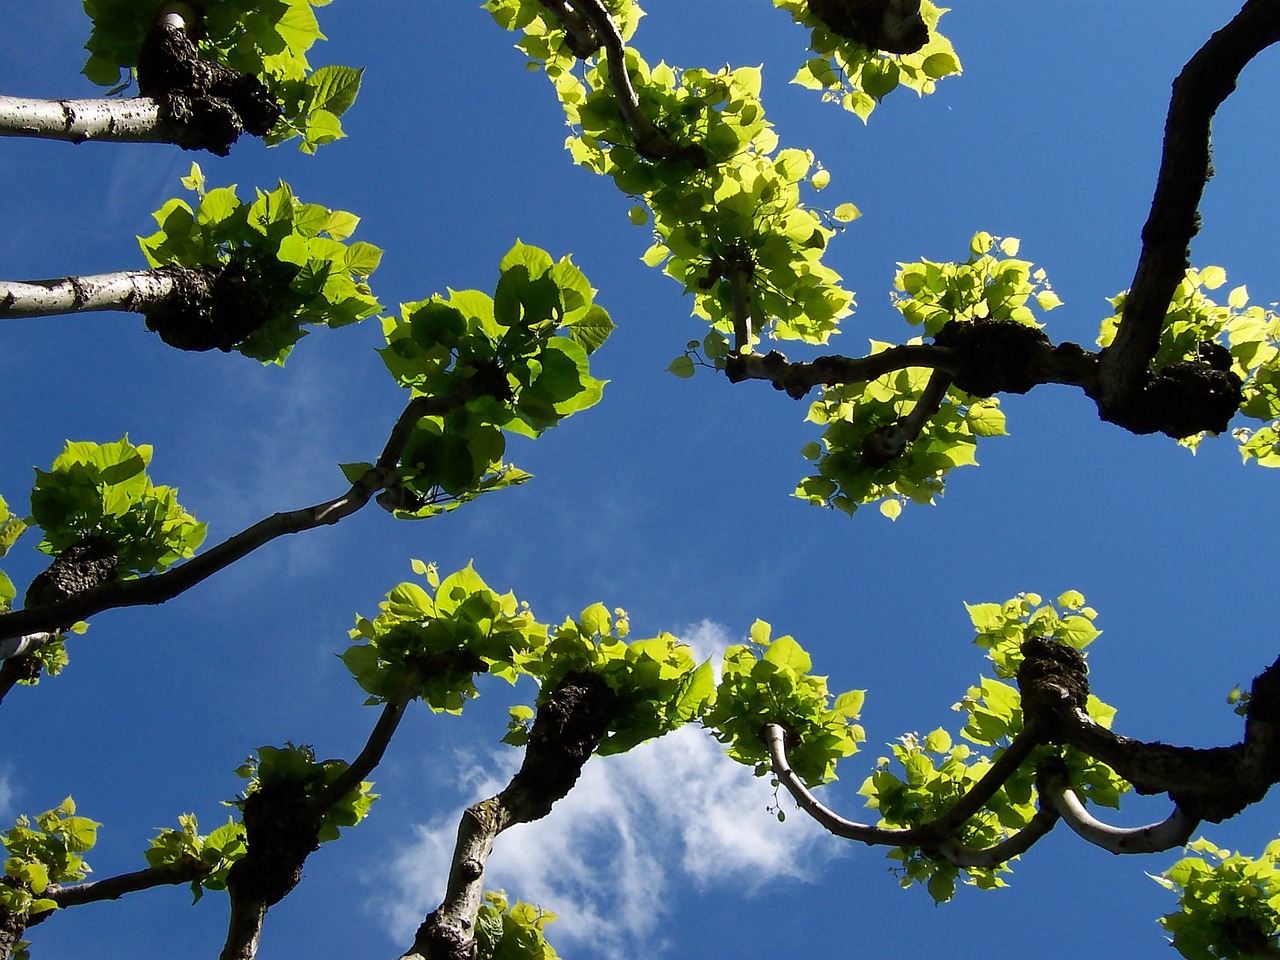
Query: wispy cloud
point(6, 794)
point(673, 813)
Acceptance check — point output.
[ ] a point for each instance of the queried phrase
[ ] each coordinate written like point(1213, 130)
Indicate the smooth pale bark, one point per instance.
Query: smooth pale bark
point(125, 290)
point(131, 120)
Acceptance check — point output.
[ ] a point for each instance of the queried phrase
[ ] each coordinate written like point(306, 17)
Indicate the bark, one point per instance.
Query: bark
point(132, 290)
point(135, 120)
point(1185, 167)
point(986, 357)
point(894, 26)
point(566, 731)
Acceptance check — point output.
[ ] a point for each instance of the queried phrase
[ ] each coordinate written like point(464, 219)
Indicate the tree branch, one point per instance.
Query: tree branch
point(113, 888)
point(1210, 784)
point(162, 587)
point(882, 445)
point(581, 36)
point(374, 748)
point(132, 120)
point(960, 855)
point(651, 142)
point(1174, 831)
point(1206, 81)
point(567, 729)
point(133, 290)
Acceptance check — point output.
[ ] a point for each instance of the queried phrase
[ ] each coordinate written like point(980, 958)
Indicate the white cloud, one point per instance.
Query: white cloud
point(6, 794)
point(672, 812)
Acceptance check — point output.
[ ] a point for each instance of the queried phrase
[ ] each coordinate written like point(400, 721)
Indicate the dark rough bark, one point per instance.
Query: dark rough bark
point(994, 356)
point(280, 833)
point(82, 566)
point(12, 927)
point(1185, 167)
point(207, 105)
point(207, 311)
point(1182, 400)
point(894, 26)
point(565, 733)
point(1209, 784)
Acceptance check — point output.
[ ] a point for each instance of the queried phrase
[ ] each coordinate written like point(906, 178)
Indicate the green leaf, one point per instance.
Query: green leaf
point(682, 367)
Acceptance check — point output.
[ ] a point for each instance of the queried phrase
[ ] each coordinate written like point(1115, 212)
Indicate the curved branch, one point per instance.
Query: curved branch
point(833, 823)
point(132, 120)
point(1173, 831)
point(651, 142)
point(1017, 844)
point(1207, 80)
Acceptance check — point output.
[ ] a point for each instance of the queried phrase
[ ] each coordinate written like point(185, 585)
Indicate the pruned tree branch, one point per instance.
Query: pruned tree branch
point(1173, 831)
point(1209, 784)
point(567, 729)
point(162, 587)
point(113, 888)
point(651, 142)
point(1204, 84)
point(133, 120)
point(133, 290)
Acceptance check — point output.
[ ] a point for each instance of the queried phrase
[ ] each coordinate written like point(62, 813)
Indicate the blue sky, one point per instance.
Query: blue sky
point(670, 498)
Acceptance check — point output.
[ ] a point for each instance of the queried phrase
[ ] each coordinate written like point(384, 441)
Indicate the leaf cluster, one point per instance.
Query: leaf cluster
point(268, 40)
point(854, 415)
point(857, 77)
point(768, 680)
point(988, 286)
point(296, 768)
point(512, 931)
point(48, 851)
point(444, 635)
point(1236, 335)
point(215, 852)
point(738, 207)
point(520, 360)
point(295, 255)
point(1229, 903)
point(103, 490)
